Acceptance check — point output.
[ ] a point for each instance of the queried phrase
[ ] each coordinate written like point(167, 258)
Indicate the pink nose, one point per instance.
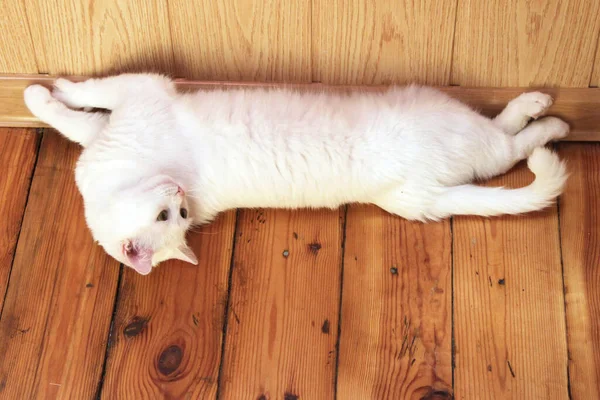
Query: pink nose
point(180, 191)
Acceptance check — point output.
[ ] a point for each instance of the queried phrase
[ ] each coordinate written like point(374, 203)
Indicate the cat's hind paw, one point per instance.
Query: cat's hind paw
point(67, 92)
point(39, 100)
point(533, 104)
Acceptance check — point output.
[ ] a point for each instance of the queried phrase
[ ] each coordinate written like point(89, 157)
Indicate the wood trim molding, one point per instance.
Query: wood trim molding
point(580, 107)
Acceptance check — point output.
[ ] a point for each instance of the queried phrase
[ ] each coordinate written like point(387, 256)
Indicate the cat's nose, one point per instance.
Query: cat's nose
point(180, 191)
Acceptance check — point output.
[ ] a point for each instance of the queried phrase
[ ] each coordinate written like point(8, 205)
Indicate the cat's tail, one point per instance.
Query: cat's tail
point(550, 178)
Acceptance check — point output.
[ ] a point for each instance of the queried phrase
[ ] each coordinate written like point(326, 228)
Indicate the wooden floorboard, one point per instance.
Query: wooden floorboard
point(168, 329)
point(509, 305)
point(18, 152)
point(396, 308)
point(283, 311)
point(580, 236)
point(59, 302)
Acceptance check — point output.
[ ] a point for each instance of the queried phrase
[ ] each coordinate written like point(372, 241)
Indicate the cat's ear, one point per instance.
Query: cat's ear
point(184, 253)
point(139, 258)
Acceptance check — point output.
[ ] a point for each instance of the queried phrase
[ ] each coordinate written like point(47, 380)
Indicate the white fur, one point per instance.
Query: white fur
point(412, 151)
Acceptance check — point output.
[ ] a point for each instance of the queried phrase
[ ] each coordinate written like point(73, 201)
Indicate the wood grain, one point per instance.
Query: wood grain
point(525, 43)
point(283, 314)
point(396, 308)
point(378, 42)
point(577, 106)
point(242, 40)
point(509, 318)
point(16, 46)
point(166, 341)
point(58, 307)
point(93, 38)
point(18, 148)
point(580, 234)
point(595, 79)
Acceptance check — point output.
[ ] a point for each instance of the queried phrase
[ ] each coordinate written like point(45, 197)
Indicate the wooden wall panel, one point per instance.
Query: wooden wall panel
point(98, 37)
point(373, 42)
point(525, 43)
point(509, 304)
point(59, 302)
point(168, 328)
point(16, 47)
point(396, 308)
point(251, 40)
point(580, 233)
point(283, 310)
point(595, 80)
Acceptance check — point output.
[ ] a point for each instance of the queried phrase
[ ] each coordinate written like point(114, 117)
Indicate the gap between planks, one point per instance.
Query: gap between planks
point(577, 106)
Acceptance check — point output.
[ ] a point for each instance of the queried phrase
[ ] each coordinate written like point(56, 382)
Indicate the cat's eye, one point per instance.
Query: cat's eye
point(163, 216)
point(183, 212)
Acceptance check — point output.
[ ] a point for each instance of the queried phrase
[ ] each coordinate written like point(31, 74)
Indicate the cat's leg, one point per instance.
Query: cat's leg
point(78, 126)
point(520, 110)
point(538, 134)
point(110, 92)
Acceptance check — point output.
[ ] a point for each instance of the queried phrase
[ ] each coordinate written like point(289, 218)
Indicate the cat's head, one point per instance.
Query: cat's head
point(143, 224)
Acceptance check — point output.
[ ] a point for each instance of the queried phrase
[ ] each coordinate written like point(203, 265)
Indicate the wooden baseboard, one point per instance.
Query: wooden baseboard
point(580, 107)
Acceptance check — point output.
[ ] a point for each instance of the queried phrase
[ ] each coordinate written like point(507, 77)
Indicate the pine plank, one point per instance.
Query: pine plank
point(58, 307)
point(396, 308)
point(17, 55)
point(509, 317)
point(525, 43)
point(595, 79)
point(242, 40)
point(580, 239)
point(18, 148)
point(379, 42)
point(283, 314)
point(94, 38)
point(168, 328)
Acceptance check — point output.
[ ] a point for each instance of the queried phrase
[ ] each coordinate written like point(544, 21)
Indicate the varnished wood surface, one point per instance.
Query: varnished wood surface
point(302, 304)
point(580, 235)
point(397, 308)
point(381, 42)
point(61, 290)
point(18, 153)
point(525, 43)
point(283, 311)
point(509, 304)
point(168, 328)
point(466, 42)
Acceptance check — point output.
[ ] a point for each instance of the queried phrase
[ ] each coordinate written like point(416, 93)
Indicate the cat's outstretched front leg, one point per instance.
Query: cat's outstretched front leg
point(79, 126)
point(110, 92)
point(521, 110)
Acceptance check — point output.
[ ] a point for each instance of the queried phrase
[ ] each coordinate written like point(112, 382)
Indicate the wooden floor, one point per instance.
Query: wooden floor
point(352, 303)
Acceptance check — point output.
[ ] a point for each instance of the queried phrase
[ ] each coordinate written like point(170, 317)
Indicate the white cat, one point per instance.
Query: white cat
point(162, 161)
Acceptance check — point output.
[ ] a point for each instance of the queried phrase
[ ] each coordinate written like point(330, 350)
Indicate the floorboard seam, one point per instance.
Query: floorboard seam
point(111, 335)
point(339, 330)
point(40, 132)
point(226, 310)
point(564, 287)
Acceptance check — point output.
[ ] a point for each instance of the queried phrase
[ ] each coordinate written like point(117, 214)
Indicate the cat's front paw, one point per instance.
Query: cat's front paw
point(38, 99)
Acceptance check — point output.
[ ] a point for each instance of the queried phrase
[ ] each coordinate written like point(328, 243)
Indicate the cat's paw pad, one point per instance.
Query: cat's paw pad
point(556, 127)
point(38, 99)
point(534, 104)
